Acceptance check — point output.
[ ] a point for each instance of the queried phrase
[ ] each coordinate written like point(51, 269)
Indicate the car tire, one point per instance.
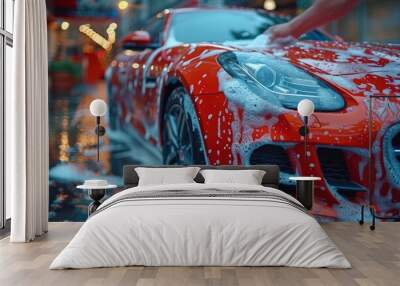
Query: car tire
point(182, 139)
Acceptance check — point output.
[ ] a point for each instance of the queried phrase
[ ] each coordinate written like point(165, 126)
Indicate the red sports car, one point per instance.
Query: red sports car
point(195, 87)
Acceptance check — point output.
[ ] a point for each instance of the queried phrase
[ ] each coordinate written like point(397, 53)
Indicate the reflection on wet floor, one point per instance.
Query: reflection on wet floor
point(73, 152)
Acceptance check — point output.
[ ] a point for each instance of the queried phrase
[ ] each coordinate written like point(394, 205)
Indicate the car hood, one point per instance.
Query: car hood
point(360, 69)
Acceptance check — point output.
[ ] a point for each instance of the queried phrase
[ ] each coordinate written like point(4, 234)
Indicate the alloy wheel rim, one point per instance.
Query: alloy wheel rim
point(177, 137)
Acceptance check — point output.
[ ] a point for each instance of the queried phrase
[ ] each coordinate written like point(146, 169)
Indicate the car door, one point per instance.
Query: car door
point(149, 75)
point(128, 86)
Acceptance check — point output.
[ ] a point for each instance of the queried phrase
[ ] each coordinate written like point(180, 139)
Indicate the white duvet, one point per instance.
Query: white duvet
point(200, 231)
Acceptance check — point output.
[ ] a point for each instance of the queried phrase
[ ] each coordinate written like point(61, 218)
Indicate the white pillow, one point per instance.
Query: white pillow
point(165, 176)
point(248, 177)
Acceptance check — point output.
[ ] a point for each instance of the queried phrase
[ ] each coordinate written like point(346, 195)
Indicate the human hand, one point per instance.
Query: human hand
point(280, 31)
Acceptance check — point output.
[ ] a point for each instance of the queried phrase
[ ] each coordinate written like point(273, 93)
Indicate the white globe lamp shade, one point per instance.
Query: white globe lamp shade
point(305, 107)
point(98, 107)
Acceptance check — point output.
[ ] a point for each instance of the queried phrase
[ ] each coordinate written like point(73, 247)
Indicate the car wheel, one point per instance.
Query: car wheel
point(182, 140)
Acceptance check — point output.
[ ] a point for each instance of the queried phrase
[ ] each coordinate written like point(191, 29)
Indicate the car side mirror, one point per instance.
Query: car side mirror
point(138, 40)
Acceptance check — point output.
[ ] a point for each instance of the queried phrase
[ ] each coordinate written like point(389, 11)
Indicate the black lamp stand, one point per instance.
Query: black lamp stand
point(100, 131)
point(303, 131)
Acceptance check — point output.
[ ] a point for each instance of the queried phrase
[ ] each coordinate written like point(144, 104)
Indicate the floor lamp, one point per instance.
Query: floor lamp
point(98, 108)
point(370, 206)
point(305, 108)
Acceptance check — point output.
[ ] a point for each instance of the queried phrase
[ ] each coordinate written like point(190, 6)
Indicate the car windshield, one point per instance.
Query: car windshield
point(220, 26)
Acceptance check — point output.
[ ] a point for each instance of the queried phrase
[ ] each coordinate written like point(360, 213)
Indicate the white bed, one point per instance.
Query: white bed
point(201, 230)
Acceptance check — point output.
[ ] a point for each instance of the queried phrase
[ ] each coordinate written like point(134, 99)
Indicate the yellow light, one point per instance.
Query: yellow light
point(111, 32)
point(83, 28)
point(269, 5)
point(64, 25)
point(135, 65)
point(97, 38)
point(123, 4)
point(129, 53)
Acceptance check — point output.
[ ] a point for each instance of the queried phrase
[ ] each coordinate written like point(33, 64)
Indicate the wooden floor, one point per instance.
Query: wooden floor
point(375, 257)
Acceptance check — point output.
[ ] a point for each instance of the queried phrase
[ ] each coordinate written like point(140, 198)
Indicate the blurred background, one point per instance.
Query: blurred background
point(83, 38)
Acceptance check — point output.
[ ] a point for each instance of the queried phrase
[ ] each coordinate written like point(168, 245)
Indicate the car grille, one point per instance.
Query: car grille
point(334, 168)
point(276, 155)
point(273, 155)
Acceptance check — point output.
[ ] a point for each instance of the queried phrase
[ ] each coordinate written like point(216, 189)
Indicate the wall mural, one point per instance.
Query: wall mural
point(175, 98)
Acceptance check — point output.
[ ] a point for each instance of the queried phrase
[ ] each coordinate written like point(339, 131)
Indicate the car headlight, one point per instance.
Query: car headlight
point(266, 76)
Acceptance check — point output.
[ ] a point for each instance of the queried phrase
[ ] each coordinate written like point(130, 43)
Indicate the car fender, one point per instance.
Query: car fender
point(198, 74)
